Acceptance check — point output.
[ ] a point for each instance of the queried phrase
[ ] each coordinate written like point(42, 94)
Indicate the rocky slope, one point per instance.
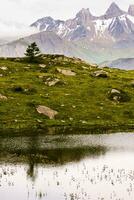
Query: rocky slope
point(64, 91)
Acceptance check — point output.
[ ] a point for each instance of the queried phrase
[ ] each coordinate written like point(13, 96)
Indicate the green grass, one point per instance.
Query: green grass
point(81, 101)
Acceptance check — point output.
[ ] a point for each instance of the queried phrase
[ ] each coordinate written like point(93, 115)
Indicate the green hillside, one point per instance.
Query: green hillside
point(82, 98)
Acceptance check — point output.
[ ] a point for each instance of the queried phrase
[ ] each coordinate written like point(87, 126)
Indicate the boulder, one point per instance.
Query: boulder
point(4, 68)
point(100, 73)
point(118, 95)
point(46, 111)
point(2, 97)
point(42, 65)
point(52, 82)
point(114, 91)
point(66, 72)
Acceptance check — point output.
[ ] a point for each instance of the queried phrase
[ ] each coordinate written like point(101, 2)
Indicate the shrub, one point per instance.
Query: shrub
point(33, 53)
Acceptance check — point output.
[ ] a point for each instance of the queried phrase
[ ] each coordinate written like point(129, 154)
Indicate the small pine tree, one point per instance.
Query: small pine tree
point(32, 52)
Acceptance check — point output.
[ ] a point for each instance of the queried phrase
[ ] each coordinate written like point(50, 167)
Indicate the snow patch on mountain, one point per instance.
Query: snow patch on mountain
point(131, 18)
point(101, 25)
point(111, 26)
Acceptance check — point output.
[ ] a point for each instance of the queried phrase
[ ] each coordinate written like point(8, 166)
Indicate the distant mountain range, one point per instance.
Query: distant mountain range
point(121, 63)
point(96, 39)
point(115, 25)
point(48, 42)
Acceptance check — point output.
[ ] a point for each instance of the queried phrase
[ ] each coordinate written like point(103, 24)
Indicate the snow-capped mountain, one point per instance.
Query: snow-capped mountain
point(94, 39)
point(113, 11)
point(131, 10)
point(113, 26)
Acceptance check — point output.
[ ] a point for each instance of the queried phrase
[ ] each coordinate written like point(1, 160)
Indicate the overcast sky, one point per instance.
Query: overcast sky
point(27, 11)
point(14, 12)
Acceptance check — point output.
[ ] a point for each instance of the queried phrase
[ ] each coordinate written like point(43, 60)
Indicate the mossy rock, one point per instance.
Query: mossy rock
point(100, 74)
point(119, 95)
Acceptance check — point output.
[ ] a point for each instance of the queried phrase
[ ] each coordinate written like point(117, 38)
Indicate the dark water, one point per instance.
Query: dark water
point(67, 167)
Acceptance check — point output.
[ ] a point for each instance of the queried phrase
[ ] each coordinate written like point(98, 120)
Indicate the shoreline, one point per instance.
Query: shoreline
point(67, 129)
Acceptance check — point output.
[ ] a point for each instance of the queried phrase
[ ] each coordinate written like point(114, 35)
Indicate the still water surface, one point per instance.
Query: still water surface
point(67, 167)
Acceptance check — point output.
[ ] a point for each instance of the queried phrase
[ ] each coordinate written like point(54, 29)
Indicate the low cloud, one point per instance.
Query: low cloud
point(12, 31)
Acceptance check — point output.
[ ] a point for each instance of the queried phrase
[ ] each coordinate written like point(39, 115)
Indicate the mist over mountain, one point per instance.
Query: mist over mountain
point(10, 31)
point(48, 42)
point(92, 38)
point(121, 63)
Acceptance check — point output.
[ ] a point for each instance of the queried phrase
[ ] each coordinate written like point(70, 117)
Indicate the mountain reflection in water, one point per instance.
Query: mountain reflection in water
point(67, 167)
point(48, 150)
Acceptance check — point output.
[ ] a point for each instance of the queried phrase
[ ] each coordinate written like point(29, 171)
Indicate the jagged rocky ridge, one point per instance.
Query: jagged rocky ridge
point(95, 39)
point(114, 25)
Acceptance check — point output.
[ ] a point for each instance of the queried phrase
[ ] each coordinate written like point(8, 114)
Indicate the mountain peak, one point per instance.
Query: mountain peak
point(114, 11)
point(47, 19)
point(131, 10)
point(114, 5)
point(84, 13)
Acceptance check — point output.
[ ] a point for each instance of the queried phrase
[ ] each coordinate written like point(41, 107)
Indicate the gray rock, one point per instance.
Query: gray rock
point(119, 95)
point(52, 82)
point(46, 111)
point(2, 97)
point(42, 65)
point(4, 68)
point(66, 72)
point(115, 91)
point(100, 73)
